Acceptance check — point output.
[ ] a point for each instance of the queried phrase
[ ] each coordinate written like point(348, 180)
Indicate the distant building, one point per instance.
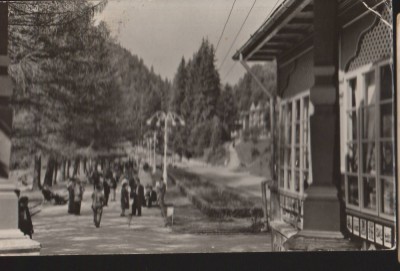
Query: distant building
point(256, 117)
point(334, 176)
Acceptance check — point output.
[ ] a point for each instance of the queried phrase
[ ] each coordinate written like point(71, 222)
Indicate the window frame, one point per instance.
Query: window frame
point(301, 145)
point(360, 75)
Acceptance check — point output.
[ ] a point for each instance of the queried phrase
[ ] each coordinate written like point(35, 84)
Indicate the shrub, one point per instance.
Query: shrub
point(255, 134)
point(246, 135)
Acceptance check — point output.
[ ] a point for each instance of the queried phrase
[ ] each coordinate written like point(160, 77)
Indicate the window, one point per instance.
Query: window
point(369, 158)
point(294, 145)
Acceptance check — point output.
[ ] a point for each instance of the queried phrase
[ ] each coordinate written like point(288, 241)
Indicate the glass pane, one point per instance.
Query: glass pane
point(305, 133)
point(289, 124)
point(297, 181)
point(387, 197)
point(288, 157)
point(387, 158)
point(352, 125)
point(297, 157)
point(306, 181)
point(305, 158)
point(281, 178)
point(297, 133)
point(386, 120)
point(305, 108)
point(282, 155)
point(289, 178)
point(369, 185)
point(353, 190)
point(352, 93)
point(386, 83)
point(370, 89)
point(352, 158)
point(297, 108)
point(369, 158)
point(368, 122)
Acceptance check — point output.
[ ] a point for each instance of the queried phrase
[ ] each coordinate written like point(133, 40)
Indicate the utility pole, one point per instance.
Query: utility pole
point(154, 151)
point(174, 119)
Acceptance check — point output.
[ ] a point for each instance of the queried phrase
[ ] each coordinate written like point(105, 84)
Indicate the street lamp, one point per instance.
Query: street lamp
point(175, 119)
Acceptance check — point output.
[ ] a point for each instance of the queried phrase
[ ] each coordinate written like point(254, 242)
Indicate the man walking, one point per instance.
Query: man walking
point(97, 205)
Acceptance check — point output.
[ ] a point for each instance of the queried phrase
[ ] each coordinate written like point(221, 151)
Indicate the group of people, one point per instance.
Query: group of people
point(133, 193)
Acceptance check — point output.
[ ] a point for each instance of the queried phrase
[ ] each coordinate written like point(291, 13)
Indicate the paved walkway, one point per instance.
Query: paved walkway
point(61, 233)
point(243, 182)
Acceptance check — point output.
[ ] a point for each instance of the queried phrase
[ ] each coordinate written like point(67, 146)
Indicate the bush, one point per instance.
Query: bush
point(246, 135)
point(146, 167)
point(255, 134)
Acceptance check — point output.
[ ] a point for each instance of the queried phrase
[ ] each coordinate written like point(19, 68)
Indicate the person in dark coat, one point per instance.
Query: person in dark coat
point(139, 198)
point(97, 205)
point(71, 187)
point(95, 178)
point(113, 186)
point(24, 217)
point(106, 190)
point(78, 195)
point(124, 198)
point(133, 196)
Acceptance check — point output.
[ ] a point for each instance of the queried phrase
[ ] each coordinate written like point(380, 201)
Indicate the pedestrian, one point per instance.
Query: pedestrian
point(161, 192)
point(24, 216)
point(97, 205)
point(95, 178)
point(133, 196)
point(78, 195)
point(147, 196)
point(71, 187)
point(124, 198)
point(113, 186)
point(106, 191)
point(139, 198)
point(161, 189)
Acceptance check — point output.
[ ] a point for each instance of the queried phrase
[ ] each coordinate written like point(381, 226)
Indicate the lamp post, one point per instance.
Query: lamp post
point(175, 119)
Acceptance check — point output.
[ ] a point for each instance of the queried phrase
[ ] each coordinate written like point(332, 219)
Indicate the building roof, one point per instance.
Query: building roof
point(290, 28)
point(289, 23)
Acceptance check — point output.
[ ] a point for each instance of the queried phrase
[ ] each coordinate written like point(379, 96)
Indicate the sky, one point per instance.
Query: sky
point(162, 31)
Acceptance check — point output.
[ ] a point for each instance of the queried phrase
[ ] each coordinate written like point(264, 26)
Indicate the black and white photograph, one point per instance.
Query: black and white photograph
point(183, 126)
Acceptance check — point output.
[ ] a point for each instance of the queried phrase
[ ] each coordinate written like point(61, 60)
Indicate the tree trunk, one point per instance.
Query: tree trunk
point(68, 167)
point(63, 165)
point(76, 165)
point(55, 171)
point(48, 177)
point(36, 173)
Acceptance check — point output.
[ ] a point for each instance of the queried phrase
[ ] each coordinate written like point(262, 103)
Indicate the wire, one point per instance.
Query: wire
point(226, 75)
point(272, 10)
point(226, 22)
point(230, 48)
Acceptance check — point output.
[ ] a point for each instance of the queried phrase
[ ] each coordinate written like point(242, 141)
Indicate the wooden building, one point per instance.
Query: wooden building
point(334, 170)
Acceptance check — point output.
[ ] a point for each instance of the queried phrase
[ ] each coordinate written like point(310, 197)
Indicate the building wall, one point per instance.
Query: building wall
point(363, 44)
point(297, 76)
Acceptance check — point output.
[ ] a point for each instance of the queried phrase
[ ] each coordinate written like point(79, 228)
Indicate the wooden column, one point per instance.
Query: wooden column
point(321, 226)
point(12, 240)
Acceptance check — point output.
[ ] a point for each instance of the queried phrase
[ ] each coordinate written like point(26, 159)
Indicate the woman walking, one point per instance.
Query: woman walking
point(78, 195)
point(97, 205)
point(71, 187)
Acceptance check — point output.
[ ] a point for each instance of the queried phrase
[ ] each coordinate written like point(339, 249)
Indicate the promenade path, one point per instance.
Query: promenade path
point(243, 182)
point(61, 233)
